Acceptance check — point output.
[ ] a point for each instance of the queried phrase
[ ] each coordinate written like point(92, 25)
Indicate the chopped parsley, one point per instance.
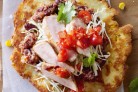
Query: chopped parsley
point(88, 62)
point(66, 12)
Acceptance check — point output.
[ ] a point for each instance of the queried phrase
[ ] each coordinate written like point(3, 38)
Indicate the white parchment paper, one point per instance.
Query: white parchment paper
point(12, 82)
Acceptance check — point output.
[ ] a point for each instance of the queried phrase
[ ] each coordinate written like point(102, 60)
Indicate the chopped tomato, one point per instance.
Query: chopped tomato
point(91, 32)
point(94, 30)
point(97, 29)
point(83, 42)
point(63, 73)
point(80, 33)
point(96, 40)
point(62, 34)
point(85, 16)
point(68, 42)
point(79, 38)
point(78, 66)
point(63, 55)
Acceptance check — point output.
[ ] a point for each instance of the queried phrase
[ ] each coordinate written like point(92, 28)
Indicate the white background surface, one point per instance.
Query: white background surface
point(12, 82)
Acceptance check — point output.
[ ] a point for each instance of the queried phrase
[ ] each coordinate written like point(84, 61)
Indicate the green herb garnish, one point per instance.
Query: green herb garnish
point(88, 62)
point(66, 12)
point(133, 87)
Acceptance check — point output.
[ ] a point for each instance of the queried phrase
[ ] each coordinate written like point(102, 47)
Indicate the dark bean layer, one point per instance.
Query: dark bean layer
point(29, 26)
point(45, 11)
point(28, 41)
point(30, 56)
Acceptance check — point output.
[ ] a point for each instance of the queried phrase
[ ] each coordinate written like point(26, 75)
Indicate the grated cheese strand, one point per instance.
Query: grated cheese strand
point(55, 85)
point(109, 2)
point(98, 49)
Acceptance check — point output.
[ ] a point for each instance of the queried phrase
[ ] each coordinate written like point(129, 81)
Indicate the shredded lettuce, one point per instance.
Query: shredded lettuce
point(88, 62)
point(66, 12)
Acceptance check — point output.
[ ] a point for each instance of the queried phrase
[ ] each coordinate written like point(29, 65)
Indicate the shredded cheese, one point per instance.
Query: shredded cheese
point(98, 49)
point(54, 84)
point(109, 2)
point(95, 68)
point(94, 23)
point(47, 81)
point(77, 71)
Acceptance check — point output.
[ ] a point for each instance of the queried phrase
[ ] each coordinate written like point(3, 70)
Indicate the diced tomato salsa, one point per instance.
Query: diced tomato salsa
point(85, 16)
point(79, 38)
point(63, 73)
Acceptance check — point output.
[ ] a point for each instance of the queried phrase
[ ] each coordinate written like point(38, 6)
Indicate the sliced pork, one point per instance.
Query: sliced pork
point(67, 82)
point(85, 52)
point(75, 24)
point(47, 53)
point(72, 55)
point(51, 27)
